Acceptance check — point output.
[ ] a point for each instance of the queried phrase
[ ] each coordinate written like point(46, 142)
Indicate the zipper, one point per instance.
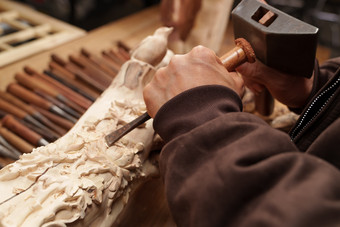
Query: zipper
point(314, 109)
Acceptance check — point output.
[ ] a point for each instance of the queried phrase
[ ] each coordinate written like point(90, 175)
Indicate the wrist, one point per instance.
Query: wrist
point(193, 108)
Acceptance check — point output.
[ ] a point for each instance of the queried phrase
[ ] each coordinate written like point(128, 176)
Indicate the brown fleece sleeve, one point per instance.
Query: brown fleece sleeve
point(229, 168)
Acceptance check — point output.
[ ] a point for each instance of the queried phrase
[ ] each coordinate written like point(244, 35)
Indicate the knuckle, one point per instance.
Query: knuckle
point(202, 52)
point(176, 59)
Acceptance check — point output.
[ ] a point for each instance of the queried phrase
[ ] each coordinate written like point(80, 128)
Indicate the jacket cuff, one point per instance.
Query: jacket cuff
point(194, 107)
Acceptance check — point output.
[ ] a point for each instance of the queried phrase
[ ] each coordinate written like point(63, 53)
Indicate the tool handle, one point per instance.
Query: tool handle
point(9, 108)
point(68, 84)
point(241, 53)
point(95, 70)
point(28, 96)
point(55, 66)
point(264, 103)
point(112, 64)
point(99, 62)
point(17, 102)
point(62, 73)
point(16, 141)
point(15, 126)
point(74, 69)
point(85, 76)
point(64, 123)
point(35, 83)
point(76, 99)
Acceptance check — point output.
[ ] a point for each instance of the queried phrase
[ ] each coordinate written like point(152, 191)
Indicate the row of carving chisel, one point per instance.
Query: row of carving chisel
point(40, 107)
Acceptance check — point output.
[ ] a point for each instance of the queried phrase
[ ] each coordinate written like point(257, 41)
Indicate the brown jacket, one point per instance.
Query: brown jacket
point(224, 167)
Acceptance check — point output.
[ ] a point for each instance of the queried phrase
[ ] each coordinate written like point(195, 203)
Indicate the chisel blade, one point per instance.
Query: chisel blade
point(119, 133)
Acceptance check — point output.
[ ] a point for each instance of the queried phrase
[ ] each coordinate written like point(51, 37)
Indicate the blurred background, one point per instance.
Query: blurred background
point(89, 14)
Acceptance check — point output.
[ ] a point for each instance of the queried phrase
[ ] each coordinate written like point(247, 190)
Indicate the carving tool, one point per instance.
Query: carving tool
point(100, 62)
point(118, 55)
point(69, 84)
point(6, 144)
point(87, 67)
point(31, 111)
point(64, 74)
point(34, 99)
point(123, 45)
point(280, 41)
point(241, 53)
point(22, 145)
point(123, 53)
point(48, 135)
point(74, 98)
point(38, 84)
point(64, 123)
point(114, 65)
point(7, 153)
point(15, 126)
point(78, 72)
point(61, 105)
point(28, 119)
point(112, 56)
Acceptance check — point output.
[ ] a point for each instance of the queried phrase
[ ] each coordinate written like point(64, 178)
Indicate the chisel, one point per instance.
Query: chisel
point(243, 52)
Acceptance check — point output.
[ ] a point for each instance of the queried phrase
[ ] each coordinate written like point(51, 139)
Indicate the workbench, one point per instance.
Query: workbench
point(148, 207)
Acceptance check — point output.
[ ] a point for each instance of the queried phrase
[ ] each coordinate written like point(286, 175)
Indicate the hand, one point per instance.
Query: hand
point(180, 16)
point(292, 91)
point(197, 68)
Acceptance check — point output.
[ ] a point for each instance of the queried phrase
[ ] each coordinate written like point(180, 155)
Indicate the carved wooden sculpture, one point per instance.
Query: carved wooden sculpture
point(78, 180)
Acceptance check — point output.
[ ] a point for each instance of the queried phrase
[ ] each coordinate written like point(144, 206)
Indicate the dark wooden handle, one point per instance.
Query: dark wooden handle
point(16, 141)
point(17, 102)
point(15, 126)
point(61, 89)
point(55, 66)
point(8, 107)
point(34, 83)
point(64, 123)
point(28, 96)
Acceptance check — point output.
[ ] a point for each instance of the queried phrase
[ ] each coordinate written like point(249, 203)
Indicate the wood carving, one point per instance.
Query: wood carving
point(78, 180)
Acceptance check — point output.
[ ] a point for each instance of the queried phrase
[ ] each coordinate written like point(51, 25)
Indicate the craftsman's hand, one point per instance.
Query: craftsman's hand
point(180, 15)
point(291, 90)
point(197, 68)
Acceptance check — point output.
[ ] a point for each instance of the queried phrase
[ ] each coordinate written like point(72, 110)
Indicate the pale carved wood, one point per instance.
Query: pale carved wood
point(78, 180)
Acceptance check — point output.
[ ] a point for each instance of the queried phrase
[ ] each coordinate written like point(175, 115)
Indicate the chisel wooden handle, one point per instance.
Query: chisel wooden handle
point(61, 89)
point(55, 66)
point(31, 111)
point(28, 96)
point(15, 126)
point(100, 62)
point(35, 84)
point(79, 73)
point(240, 54)
point(6, 106)
point(16, 141)
point(66, 124)
point(17, 102)
point(87, 67)
point(74, 82)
